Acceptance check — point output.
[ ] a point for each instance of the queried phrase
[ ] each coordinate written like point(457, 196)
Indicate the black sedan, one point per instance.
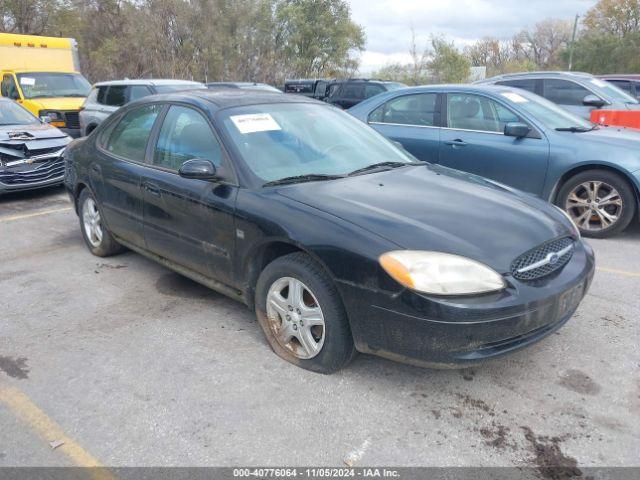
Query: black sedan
point(339, 240)
point(30, 150)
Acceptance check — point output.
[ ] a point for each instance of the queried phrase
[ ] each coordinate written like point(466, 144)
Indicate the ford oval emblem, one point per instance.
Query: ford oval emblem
point(553, 258)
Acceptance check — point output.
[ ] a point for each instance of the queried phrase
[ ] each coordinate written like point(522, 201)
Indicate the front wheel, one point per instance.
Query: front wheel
point(601, 203)
point(95, 233)
point(302, 314)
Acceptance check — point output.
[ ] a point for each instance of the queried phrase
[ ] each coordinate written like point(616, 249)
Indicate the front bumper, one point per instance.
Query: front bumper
point(40, 176)
point(453, 332)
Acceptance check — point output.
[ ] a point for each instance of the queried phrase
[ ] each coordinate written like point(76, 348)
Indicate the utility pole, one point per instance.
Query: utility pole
point(573, 41)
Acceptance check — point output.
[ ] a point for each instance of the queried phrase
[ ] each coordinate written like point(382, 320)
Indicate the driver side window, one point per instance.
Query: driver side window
point(185, 135)
point(474, 112)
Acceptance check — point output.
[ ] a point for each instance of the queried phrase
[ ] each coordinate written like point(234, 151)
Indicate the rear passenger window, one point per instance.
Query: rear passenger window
point(528, 84)
point(352, 91)
point(418, 109)
point(138, 91)
point(564, 92)
point(116, 96)
point(185, 135)
point(130, 136)
point(372, 90)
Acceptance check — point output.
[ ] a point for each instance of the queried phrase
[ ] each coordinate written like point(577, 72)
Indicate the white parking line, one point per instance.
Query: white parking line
point(11, 218)
point(618, 272)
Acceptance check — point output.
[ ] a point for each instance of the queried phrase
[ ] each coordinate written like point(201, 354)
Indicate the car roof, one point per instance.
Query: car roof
point(622, 76)
point(454, 87)
point(232, 97)
point(147, 81)
point(558, 74)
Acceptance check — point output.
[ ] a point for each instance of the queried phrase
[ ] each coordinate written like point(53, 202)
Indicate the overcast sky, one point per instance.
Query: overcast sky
point(387, 23)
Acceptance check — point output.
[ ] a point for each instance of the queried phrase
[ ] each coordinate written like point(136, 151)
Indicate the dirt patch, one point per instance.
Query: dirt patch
point(478, 404)
point(110, 266)
point(468, 374)
point(614, 320)
point(495, 436)
point(549, 459)
point(15, 367)
point(175, 285)
point(579, 382)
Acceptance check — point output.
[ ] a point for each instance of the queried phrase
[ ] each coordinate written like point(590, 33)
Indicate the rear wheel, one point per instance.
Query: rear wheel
point(95, 233)
point(302, 315)
point(601, 203)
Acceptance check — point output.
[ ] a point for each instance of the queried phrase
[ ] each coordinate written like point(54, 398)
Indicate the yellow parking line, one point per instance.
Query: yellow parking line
point(35, 214)
point(22, 406)
point(618, 272)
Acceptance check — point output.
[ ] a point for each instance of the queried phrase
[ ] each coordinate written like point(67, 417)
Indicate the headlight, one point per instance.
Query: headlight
point(52, 114)
point(440, 273)
point(574, 227)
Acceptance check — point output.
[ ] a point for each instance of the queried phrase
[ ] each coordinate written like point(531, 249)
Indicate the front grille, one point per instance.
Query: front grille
point(543, 260)
point(72, 119)
point(41, 173)
point(43, 151)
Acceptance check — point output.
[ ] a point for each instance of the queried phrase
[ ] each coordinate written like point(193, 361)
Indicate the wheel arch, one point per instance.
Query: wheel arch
point(594, 166)
point(265, 253)
point(80, 186)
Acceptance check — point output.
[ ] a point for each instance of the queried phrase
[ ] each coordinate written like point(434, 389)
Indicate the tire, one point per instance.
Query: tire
point(582, 198)
point(330, 347)
point(95, 233)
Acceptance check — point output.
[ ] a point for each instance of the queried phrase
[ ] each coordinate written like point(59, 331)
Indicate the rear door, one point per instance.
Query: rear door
point(188, 221)
point(412, 120)
point(473, 141)
point(349, 95)
point(116, 174)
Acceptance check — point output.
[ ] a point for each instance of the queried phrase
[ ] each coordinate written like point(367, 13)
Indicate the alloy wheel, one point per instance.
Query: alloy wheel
point(92, 222)
point(295, 317)
point(594, 205)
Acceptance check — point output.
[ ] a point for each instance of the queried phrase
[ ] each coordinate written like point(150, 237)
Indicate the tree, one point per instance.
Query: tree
point(26, 16)
point(544, 45)
point(447, 64)
point(614, 17)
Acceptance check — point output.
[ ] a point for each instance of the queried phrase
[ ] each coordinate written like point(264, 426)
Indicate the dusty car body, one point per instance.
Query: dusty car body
point(30, 150)
point(338, 239)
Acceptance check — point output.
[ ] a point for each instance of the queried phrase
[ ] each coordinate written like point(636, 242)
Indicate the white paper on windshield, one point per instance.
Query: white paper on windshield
point(599, 83)
point(514, 97)
point(27, 81)
point(255, 122)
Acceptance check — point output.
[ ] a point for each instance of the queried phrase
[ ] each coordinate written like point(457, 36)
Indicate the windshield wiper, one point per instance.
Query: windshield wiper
point(378, 166)
point(311, 177)
point(575, 129)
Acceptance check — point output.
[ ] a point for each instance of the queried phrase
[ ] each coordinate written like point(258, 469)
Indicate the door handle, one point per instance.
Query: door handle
point(152, 189)
point(456, 143)
point(95, 168)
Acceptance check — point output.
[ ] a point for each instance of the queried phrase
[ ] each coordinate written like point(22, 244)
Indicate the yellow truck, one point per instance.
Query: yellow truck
point(43, 75)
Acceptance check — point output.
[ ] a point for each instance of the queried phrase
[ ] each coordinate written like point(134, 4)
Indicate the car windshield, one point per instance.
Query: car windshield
point(278, 141)
point(171, 87)
point(50, 85)
point(546, 112)
point(13, 114)
point(610, 91)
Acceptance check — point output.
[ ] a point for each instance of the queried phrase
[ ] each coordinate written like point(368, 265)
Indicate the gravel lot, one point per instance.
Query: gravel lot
point(130, 364)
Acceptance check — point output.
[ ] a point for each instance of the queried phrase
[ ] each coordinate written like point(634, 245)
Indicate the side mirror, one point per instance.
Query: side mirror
point(593, 101)
point(198, 168)
point(516, 129)
point(45, 119)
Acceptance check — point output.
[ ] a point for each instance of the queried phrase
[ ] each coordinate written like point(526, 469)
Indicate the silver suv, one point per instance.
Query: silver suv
point(107, 97)
point(580, 93)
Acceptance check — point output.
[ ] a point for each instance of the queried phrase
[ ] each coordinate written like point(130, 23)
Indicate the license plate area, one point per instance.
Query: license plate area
point(570, 299)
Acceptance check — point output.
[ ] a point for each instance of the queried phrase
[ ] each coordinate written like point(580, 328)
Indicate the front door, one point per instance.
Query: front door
point(187, 221)
point(474, 142)
point(116, 174)
point(568, 94)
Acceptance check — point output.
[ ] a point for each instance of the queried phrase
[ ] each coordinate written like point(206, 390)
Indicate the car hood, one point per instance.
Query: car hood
point(439, 209)
point(613, 136)
point(35, 132)
point(57, 103)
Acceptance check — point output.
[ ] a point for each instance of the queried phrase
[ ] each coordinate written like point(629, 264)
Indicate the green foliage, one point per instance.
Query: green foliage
point(254, 40)
point(447, 64)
